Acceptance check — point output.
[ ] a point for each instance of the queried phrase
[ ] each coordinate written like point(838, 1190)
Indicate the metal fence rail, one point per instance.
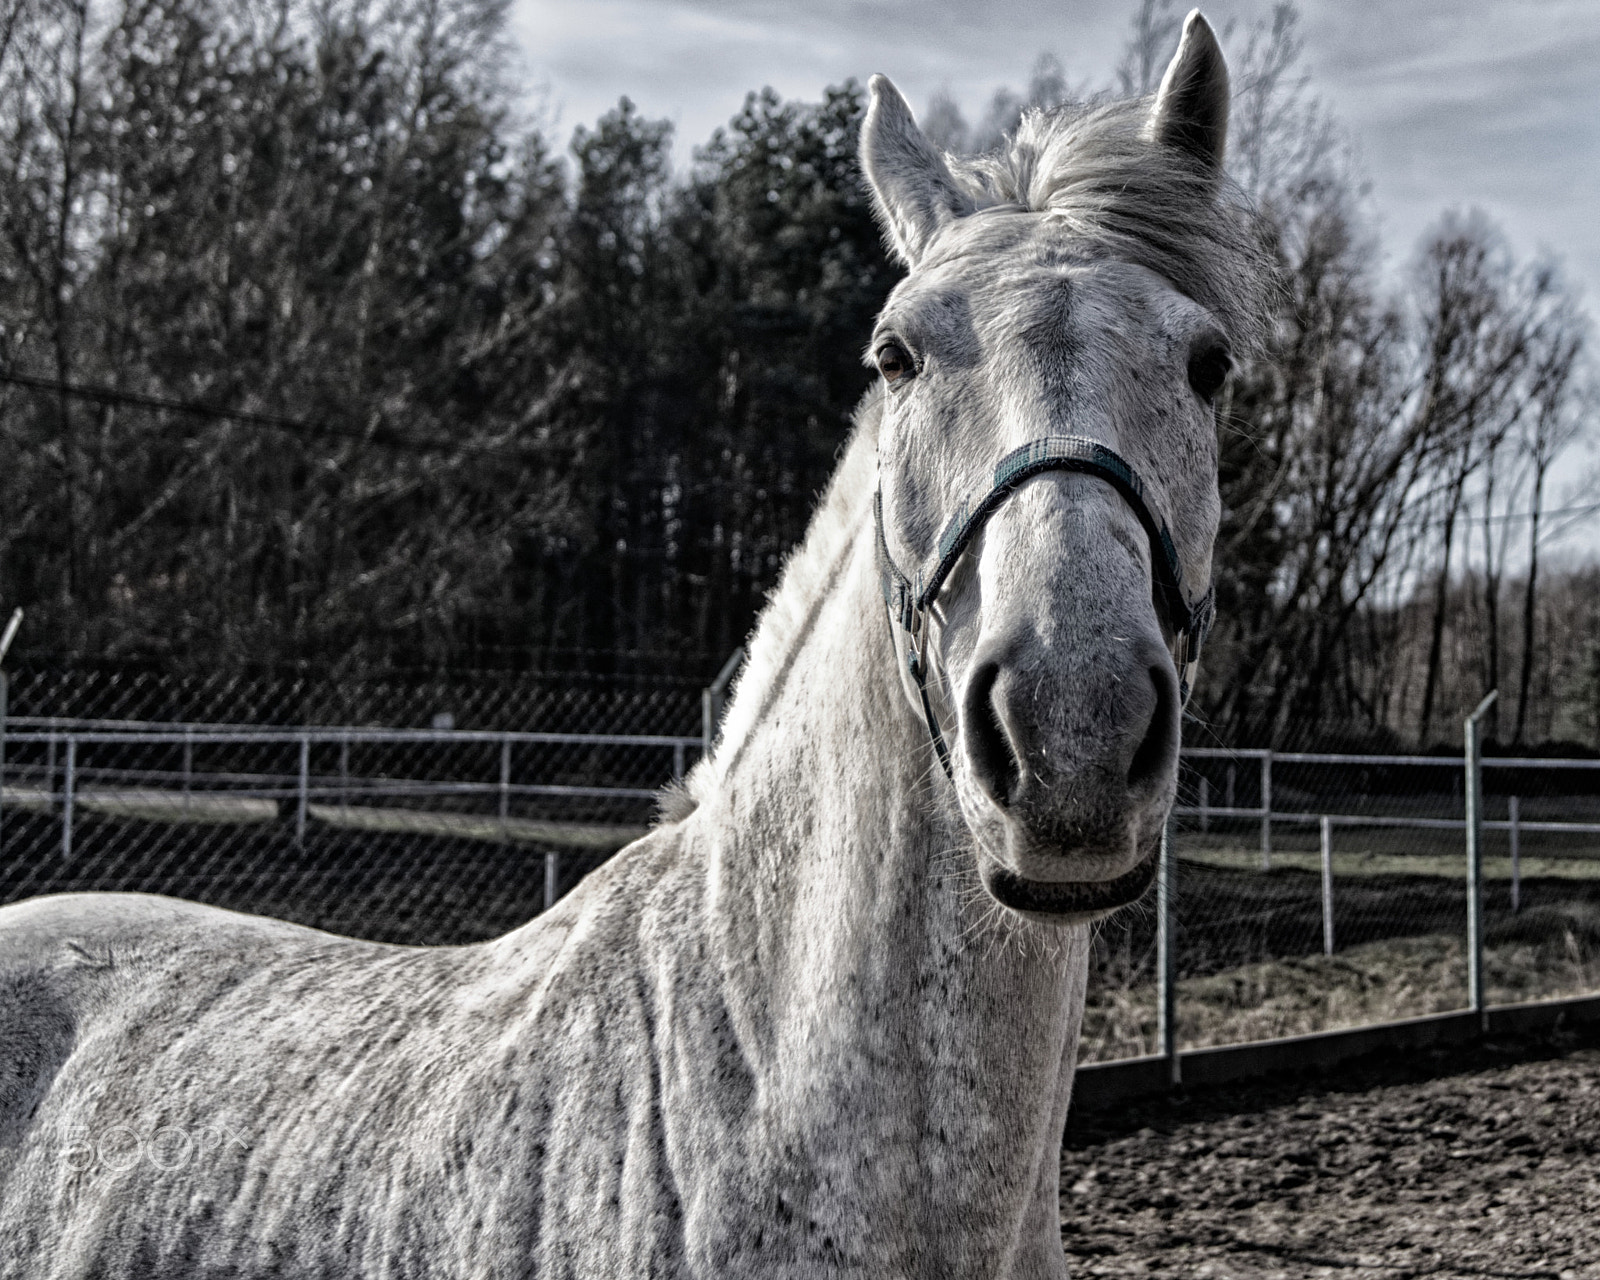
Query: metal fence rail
point(69, 746)
point(1204, 811)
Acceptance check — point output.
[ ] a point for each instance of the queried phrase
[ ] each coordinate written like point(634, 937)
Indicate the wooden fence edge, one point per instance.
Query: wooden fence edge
point(1098, 1085)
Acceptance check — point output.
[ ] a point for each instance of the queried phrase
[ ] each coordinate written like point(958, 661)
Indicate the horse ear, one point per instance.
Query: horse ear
point(911, 184)
point(1191, 110)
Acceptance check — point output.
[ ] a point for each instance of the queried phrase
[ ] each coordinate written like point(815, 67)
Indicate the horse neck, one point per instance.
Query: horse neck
point(857, 947)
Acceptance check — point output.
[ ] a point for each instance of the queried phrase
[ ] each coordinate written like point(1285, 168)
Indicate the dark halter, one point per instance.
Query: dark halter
point(910, 604)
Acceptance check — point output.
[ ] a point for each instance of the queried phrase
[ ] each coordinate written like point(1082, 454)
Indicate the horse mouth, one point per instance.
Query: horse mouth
point(1067, 898)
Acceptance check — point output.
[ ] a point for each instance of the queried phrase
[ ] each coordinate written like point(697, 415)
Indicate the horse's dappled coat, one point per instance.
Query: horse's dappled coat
point(789, 1033)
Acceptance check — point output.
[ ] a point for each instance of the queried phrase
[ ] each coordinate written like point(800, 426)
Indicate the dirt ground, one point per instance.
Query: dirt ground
point(1481, 1163)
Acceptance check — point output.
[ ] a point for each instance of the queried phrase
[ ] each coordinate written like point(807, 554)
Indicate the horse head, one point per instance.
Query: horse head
point(1047, 463)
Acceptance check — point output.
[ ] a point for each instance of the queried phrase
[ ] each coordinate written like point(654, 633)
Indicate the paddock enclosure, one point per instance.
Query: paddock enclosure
point(375, 824)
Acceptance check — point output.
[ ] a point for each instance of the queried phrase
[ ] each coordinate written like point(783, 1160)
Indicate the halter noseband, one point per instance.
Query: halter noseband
point(909, 605)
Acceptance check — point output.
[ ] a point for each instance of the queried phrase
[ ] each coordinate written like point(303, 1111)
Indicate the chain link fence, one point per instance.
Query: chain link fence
point(420, 836)
point(275, 794)
point(1309, 891)
point(124, 697)
point(1314, 892)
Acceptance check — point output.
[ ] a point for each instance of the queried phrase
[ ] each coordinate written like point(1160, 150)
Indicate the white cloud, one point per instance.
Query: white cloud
point(693, 61)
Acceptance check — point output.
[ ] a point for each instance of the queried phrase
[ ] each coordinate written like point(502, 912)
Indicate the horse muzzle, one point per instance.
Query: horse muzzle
point(1075, 787)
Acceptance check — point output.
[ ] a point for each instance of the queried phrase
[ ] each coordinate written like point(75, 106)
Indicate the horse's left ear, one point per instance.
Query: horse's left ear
point(1191, 110)
point(911, 184)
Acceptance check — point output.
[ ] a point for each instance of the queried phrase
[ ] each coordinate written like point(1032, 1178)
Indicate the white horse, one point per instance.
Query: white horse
point(822, 1020)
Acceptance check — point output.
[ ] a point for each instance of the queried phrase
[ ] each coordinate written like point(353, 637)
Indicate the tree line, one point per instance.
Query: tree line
point(315, 350)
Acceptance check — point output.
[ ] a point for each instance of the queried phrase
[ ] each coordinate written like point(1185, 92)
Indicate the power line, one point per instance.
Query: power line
point(1466, 516)
point(1580, 513)
point(1587, 509)
point(272, 422)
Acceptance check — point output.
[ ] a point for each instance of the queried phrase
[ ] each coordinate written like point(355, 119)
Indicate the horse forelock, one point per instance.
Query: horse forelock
point(1118, 192)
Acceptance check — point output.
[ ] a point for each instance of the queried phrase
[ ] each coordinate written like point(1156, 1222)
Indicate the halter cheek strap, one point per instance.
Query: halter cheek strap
point(911, 603)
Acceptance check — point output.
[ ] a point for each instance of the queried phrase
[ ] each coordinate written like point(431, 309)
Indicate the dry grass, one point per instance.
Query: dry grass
point(207, 809)
point(211, 809)
point(1362, 861)
point(572, 835)
point(1551, 951)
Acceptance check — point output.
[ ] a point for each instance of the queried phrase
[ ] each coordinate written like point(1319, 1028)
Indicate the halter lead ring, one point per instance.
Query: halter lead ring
point(910, 605)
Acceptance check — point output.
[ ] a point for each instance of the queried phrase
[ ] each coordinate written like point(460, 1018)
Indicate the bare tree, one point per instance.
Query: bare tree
point(1477, 331)
point(944, 124)
point(1153, 31)
point(1557, 412)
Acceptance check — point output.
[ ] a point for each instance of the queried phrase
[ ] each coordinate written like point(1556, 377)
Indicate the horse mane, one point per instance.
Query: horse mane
point(1096, 167)
point(791, 607)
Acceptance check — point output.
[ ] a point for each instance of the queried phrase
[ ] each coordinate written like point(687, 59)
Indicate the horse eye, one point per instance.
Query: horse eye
point(893, 362)
point(1208, 370)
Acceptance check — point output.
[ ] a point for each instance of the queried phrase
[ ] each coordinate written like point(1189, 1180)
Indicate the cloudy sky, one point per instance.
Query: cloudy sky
point(1449, 103)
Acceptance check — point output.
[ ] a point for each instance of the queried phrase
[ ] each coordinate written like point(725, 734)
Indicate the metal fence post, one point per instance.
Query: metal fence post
point(68, 788)
point(9, 635)
point(505, 786)
point(302, 802)
point(1205, 803)
point(1516, 855)
point(552, 868)
point(714, 697)
point(1327, 885)
point(1472, 789)
point(4, 695)
point(1167, 956)
point(1266, 811)
point(344, 771)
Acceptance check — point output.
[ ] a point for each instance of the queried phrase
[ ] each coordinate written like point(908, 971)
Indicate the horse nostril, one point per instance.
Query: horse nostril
point(1152, 760)
point(994, 763)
